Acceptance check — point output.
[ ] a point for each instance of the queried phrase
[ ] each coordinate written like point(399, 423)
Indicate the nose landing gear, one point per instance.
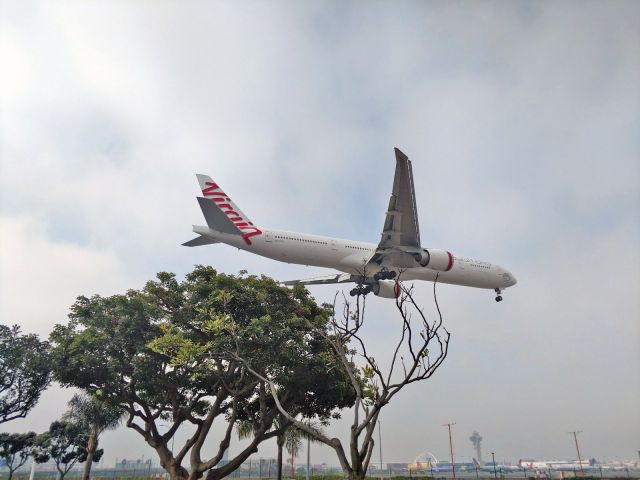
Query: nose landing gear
point(498, 296)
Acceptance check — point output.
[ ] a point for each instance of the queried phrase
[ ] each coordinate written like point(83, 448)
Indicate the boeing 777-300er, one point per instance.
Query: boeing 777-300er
point(373, 268)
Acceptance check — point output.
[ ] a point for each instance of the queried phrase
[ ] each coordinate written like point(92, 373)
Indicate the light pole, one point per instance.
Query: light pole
point(453, 466)
point(308, 451)
point(575, 439)
point(380, 442)
point(493, 456)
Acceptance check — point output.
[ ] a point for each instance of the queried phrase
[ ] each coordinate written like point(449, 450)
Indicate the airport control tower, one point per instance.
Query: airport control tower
point(476, 439)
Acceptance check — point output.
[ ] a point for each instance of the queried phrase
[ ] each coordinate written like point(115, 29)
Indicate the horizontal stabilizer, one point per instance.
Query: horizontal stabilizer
point(199, 241)
point(216, 218)
point(323, 280)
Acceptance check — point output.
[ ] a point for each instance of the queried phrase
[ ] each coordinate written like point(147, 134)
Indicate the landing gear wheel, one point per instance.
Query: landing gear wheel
point(384, 275)
point(361, 290)
point(498, 296)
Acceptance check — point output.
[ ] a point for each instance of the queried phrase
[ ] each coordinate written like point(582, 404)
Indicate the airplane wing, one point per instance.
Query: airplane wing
point(322, 280)
point(401, 231)
point(401, 223)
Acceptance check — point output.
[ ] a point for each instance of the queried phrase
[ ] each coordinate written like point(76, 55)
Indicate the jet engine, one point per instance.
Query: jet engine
point(435, 259)
point(386, 289)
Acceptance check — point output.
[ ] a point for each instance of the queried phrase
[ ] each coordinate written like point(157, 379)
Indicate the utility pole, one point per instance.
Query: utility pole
point(493, 456)
point(453, 466)
point(380, 442)
point(575, 439)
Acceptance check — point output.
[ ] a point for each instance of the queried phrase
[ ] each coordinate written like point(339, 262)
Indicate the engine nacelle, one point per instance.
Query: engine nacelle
point(435, 259)
point(386, 289)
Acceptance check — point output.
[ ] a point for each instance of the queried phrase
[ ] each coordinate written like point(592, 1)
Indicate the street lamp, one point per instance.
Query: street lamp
point(493, 455)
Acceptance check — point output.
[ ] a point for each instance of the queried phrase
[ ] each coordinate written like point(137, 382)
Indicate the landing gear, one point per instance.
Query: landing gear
point(361, 290)
point(498, 296)
point(384, 275)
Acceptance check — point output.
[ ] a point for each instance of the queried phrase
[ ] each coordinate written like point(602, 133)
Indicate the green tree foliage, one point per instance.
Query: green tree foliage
point(95, 417)
point(15, 449)
point(24, 372)
point(64, 443)
point(167, 356)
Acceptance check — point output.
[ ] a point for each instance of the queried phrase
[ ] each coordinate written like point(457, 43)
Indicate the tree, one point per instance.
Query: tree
point(293, 442)
point(95, 417)
point(420, 353)
point(64, 443)
point(161, 355)
point(290, 437)
point(24, 372)
point(15, 449)
point(293, 439)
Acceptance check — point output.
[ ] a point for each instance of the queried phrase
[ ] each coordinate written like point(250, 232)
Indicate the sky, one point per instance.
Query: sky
point(522, 120)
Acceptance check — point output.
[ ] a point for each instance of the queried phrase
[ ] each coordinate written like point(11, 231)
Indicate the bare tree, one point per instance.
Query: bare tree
point(421, 348)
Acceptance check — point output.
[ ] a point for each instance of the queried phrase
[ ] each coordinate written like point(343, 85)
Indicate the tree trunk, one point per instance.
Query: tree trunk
point(356, 475)
point(168, 462)
point(92, 446)
point(293, 473)
point(177, 472)
point(280, 440)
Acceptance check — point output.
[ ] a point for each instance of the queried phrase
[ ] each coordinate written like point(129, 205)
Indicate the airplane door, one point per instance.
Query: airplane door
point(268, 237)
point(334, 245)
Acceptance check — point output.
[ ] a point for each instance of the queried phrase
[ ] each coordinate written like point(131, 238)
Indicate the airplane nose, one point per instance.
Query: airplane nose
point(508, 279)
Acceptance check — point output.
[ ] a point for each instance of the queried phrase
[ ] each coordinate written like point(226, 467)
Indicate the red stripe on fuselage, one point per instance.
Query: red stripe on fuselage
point(450, 262)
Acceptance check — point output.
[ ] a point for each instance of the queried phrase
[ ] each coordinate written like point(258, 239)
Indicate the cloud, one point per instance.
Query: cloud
point(40, 279)
point(521, 121)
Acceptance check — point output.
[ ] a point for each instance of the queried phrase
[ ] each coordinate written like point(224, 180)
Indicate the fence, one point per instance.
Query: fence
point(267, 469)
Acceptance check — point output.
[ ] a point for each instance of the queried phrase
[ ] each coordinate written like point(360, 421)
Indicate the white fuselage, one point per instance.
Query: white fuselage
point(350, 256)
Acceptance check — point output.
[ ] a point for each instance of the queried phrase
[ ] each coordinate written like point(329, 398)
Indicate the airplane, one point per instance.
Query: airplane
point(498, 467)
point(398, 256)
point(565, 465)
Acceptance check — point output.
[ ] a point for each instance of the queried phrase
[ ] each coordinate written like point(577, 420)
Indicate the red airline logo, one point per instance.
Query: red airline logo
point(215, 193)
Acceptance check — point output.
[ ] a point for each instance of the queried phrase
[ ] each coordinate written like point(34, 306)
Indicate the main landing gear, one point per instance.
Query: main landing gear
point(498, 296)
point(384, 275)
point(364, 289)
point(361, 290)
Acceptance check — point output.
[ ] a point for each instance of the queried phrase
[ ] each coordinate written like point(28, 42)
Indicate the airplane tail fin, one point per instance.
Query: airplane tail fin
point(476, 463)
point(221, 213)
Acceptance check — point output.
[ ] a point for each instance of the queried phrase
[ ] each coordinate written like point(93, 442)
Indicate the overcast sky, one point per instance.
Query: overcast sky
point(522, 120)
